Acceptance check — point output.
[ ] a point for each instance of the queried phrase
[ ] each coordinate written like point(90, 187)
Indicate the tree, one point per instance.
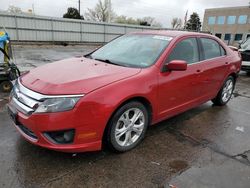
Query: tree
point(193, 23)
point(72, 13)
point(101, 12)
point(176, 23)
point(146, 21)
point(149, 21)
point(126, 20)
point(14, 9)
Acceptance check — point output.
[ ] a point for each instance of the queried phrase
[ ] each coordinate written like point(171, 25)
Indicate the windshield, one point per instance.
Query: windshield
point(246, 44)
point(133, 50)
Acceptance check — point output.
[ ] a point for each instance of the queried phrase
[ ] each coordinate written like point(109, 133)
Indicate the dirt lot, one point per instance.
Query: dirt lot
point(205, 147)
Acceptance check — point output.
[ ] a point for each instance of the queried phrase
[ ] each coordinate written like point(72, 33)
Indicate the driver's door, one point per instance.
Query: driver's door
point(180, 90)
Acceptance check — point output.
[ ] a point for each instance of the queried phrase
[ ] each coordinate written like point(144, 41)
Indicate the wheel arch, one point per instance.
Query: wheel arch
point(140, 99)
point(234, 75)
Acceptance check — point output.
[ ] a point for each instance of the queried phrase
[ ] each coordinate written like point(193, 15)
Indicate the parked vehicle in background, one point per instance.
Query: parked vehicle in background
point(110, 96)
point(245, 54)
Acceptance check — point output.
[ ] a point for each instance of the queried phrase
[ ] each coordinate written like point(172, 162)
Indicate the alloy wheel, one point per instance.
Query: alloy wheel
point(227, 90)
point(129, 127)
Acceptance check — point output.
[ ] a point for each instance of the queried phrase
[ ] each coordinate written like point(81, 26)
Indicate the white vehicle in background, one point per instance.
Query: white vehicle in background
point(245, 53)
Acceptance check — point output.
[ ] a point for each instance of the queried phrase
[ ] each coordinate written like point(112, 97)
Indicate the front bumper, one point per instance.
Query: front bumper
point(33, 127)
point(87, 119)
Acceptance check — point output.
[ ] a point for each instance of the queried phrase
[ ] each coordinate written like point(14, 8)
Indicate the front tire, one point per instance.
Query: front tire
point(127, 127)
point(225, 93)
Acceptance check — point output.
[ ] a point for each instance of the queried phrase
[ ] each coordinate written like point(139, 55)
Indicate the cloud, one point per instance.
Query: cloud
point(163, 11)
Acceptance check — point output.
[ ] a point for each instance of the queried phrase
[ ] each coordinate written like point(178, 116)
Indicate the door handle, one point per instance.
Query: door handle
point(226, 63)
point(198, 71)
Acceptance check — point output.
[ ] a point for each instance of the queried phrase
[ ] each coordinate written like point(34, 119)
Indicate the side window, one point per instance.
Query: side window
point(212, 49)
point(222, 51)
point(186, 50)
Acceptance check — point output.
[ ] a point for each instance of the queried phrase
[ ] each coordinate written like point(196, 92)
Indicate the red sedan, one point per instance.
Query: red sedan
point(110, 96)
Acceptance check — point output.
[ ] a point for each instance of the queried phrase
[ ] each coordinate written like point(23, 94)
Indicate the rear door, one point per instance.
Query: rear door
point(180, 90)
point(215, 66)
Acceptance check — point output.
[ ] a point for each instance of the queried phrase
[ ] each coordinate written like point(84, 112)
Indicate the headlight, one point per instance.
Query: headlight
point(57, 104)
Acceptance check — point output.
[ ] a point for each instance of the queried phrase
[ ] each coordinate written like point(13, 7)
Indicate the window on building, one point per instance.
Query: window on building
point(211, 48)
point(211, 20)
point(238, 37)
point(227, 36)
point(242, 19)
point(218, 35)
point(231, 19)
point(221, 20)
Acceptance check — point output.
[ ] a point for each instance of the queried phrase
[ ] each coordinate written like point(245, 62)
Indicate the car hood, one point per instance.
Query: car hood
point(74, 76)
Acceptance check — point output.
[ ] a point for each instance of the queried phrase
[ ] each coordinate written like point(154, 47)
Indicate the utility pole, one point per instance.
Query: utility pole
point(109, 11)
point(185, 19)
point(33, 9)
point(79, 6)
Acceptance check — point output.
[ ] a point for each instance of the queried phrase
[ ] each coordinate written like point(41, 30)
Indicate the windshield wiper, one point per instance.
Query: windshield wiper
point(88, 56)
point(108, 61)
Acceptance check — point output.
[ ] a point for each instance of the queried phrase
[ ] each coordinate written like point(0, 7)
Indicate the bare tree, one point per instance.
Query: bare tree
point(101, 12)
point(146, 21)
point(14, 9)
point(126, 20)
point(176, 23)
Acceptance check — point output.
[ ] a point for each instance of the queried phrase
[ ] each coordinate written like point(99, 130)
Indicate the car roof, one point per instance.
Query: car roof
point(171, 33)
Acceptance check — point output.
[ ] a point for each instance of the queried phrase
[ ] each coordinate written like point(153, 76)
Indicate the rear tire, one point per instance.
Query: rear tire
point(127, 127)
point(225, 93)
point(248, 73)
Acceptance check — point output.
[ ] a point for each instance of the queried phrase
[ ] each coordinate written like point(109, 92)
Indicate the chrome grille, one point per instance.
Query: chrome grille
point(22, 100)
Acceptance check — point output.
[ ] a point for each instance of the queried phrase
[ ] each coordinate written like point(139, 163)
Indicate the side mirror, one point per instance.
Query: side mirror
point(176, 65)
